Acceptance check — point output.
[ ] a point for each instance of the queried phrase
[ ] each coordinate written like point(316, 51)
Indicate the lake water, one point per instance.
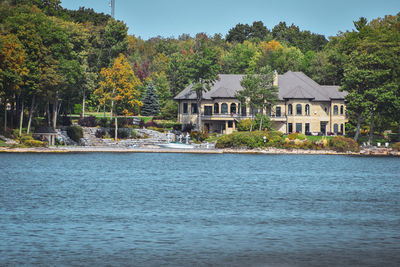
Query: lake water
point(199, 210)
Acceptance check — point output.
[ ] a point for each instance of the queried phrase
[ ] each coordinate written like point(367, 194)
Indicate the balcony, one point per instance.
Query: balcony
point(214, 116)
point(219, 116)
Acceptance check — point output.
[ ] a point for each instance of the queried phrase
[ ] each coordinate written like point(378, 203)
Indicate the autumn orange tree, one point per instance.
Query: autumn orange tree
point(118, 88)
point(12, 68)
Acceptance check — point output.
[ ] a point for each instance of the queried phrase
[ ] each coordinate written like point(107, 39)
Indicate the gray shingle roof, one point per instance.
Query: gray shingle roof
point(295, 85)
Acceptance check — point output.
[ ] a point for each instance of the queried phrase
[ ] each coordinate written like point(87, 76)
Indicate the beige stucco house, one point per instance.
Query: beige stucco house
point(304, 106)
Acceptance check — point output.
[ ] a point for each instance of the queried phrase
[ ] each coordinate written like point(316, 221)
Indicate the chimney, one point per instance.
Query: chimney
point(275, 78)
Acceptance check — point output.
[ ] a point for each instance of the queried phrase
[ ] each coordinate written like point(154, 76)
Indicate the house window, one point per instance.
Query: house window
point(216, 108)
point(341, 128)
point(290, 109)
point(298, 127)
point(341, 110)
point(298, 109)
point(208, 110)
point(307, 128)
point(307, 110)
point(185, 108)
point(193, 109)
point(233, 108)
point(224, 108)
point(335, 128)
point(230, 124)
point(335, 110)
point(278, 111)
point(290, 127)
point(254, 111)
point(244, 111)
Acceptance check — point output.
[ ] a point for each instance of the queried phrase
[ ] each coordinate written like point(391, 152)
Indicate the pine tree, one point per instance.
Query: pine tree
point(151, 107)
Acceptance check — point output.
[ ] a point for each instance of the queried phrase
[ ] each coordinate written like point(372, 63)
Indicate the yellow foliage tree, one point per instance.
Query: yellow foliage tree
point(118, 87)
point(12, 68)
point(271, 46)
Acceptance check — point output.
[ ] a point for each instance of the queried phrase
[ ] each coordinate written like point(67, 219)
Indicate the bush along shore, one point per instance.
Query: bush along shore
point(255, 142)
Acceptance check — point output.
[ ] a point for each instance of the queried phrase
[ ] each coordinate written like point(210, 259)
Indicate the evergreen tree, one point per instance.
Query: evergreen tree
point(151, 107)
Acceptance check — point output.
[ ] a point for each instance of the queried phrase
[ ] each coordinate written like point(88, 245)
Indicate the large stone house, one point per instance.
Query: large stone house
point(304, 106)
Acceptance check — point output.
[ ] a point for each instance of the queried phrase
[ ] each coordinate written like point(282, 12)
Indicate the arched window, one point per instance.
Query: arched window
point(216, 108)
point(290, 109)
point(341, 128)
point(335, 128)
point(233, 108)
point(307, 109)
point(224, 108)
point(335, 110)
point(341, 110)
point(298, 109)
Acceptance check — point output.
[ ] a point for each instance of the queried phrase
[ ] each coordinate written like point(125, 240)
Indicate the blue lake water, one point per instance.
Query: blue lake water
point(199, 210)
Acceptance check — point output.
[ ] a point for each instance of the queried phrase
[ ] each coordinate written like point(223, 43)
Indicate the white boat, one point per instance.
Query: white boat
point(177, 145)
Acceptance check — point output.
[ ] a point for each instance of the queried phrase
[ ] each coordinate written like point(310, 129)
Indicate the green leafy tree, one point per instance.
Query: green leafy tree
point(259, 92)
point(203, 69)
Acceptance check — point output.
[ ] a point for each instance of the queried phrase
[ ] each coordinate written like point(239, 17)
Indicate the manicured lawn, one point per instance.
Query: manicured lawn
point(100, 115)
point(2, 143)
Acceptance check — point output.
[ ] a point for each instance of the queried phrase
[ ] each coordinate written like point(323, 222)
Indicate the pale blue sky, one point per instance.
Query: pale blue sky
point(149, 18)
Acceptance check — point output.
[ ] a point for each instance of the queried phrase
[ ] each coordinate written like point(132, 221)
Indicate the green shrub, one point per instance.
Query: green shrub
point(90, 121)
point(244, 125)
point(77, 108)
point(75, 133)
point(35, 143)
point(123, 133)
point(396, 146)
point(103, 122)
point(134, 134)
point(100, 133)
point(25, 138)
point(170, 110)
point(266, 122)
point(199, 136)
point(293, 136)
point(343, 144)
point(301, 136)
point(243, 139)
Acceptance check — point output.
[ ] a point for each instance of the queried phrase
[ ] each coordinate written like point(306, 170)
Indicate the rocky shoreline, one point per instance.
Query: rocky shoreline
point(199, 150)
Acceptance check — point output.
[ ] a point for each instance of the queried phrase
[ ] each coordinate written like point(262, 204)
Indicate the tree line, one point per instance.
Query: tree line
point(54, 60)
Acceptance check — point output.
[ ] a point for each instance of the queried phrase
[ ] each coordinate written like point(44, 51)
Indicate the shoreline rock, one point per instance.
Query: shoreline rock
point(156, 149)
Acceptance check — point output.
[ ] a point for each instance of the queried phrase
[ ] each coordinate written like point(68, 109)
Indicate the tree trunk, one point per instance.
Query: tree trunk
point(55, 111)
point(12, 113)
point(252, 120)
point(359, 120)
point(48, 113)
point(199, 127)
point(21, 118)
point(5, 116)
point(116, 128)
point(111, 110)
point(83, 103)
point(398, 135)
point(371, 128)
point(104, 110)
point(261, 121)
point(30, 115)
